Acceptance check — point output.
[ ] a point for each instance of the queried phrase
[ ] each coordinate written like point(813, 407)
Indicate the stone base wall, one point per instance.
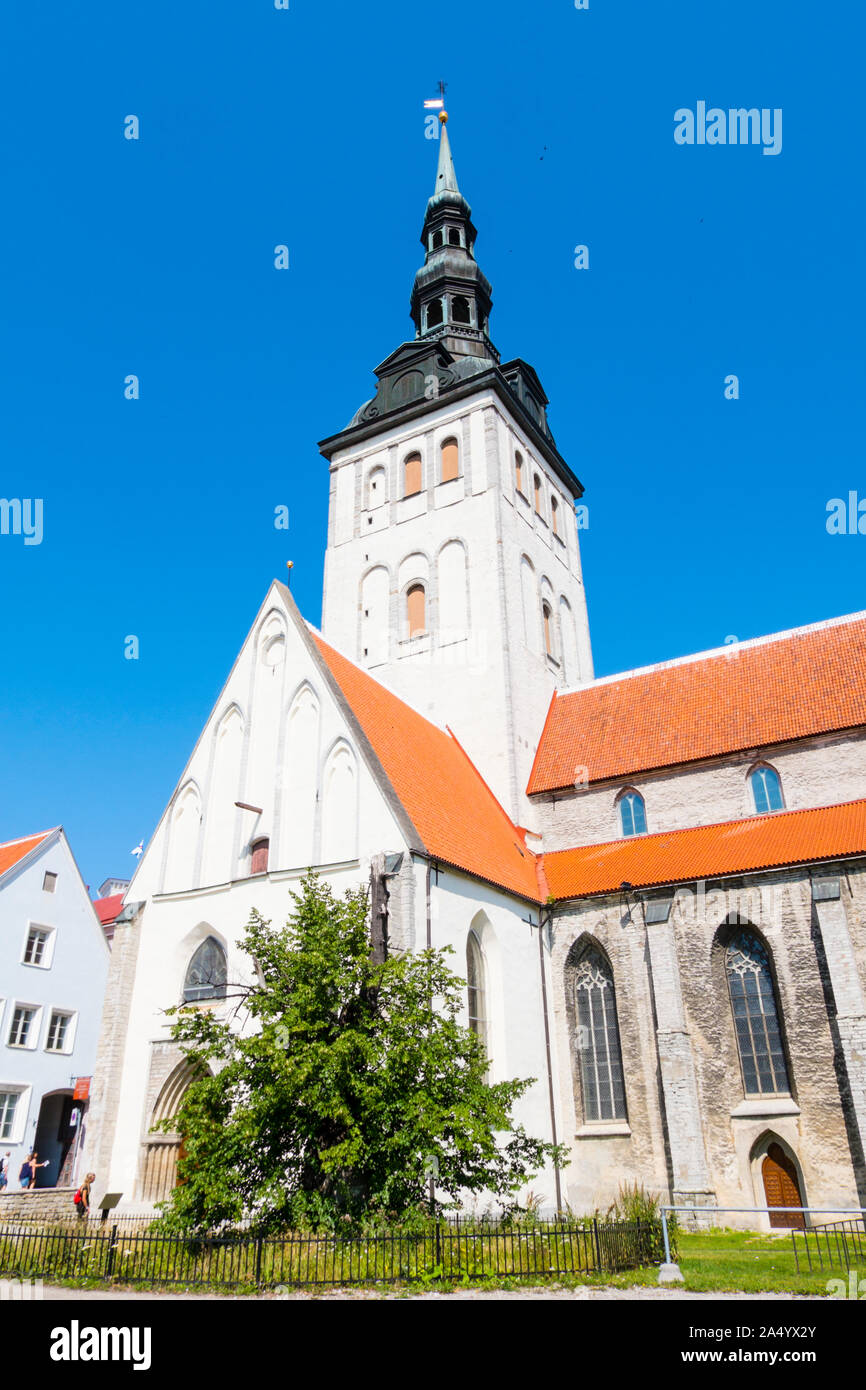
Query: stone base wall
point(42, 1204)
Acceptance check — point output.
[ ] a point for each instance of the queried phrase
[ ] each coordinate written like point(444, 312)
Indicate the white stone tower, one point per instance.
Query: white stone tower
point(452, 571)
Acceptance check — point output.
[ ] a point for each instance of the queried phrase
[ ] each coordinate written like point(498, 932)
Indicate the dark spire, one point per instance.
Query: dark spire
point(451, 298)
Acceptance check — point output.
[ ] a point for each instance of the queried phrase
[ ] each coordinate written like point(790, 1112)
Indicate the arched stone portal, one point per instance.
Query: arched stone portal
point(163, 1149)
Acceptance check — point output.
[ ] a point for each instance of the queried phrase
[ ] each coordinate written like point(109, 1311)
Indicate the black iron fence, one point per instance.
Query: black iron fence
point(121, 1252)
point(835, 1244)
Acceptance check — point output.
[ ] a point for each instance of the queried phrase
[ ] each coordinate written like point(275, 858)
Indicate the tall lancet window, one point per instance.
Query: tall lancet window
point(450, 460)
point(756, 1017)
point(766, 790)
point(476, 991)
point(411, 475)
point(416, 610)
point(598, 1049)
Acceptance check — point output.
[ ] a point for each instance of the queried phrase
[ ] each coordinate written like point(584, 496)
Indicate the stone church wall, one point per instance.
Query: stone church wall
point(815, 772)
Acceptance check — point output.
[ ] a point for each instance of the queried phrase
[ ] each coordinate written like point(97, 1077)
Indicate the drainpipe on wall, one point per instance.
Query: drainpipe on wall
point(542, 922)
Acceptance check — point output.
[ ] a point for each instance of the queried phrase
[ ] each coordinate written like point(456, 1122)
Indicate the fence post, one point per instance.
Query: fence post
point(112, 1240)
point(597, 1244)
point(258, 1260)
point(437, 1261)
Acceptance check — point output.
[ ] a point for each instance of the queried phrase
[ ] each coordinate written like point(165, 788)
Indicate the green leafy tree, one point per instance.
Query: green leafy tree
point(343, 1085)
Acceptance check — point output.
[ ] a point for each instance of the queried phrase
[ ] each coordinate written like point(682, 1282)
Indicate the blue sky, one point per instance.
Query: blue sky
point(259, 127)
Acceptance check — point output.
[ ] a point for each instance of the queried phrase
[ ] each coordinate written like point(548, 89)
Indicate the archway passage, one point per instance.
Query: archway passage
point(782, 1188)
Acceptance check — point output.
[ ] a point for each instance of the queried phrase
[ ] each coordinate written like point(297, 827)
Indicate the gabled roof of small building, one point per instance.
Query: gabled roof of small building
point(107, 908)
point(749, 695)
point(709, 851)
point(13, 851)
point(455, 816)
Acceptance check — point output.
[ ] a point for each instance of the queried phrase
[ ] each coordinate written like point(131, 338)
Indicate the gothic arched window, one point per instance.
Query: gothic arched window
point(632, 813)
point(259, 856)
point(554, 517)
point(450, 460)
point(476, 991)
point(766, 790)
point(416, 610)
point(411, 475)
point(598, 1049)
point(548, 628)
point(518, 473)
point(206, 973)
point(756, 1017)
point(536, 488)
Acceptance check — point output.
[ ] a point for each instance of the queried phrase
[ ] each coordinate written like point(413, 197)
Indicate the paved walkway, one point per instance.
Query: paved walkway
point(54, 1292)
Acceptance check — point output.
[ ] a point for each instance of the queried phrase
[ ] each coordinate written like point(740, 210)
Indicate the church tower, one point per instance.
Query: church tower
point(452, 572)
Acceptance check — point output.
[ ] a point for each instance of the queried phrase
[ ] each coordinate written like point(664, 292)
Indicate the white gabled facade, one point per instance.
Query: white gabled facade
point(295, 753)
point(53, 970)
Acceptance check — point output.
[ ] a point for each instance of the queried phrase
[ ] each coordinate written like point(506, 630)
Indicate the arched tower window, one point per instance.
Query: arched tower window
point(434, 313)
point(460, 310)
point(766, 789)
point(554, 515)
point(756, 1016)
point(411, 475)
point(598, 1047)
point(416, 610)
point(376, 488)
point(453, 236)
point(518, 474)
point(547, 615)
point(259, 856)
point(206, 973)
point(437, 239)
point(450, 460)
point(476, 988)
point(536, 488)
point(632, 813)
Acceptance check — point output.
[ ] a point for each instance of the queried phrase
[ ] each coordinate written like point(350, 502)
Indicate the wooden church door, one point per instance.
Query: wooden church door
point(781, 1187)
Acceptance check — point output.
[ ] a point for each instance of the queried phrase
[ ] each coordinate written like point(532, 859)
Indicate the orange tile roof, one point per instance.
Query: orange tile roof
point(710, 851)
point(453, 810)
point(107, 908)
point(15, 850)
point(771, 691)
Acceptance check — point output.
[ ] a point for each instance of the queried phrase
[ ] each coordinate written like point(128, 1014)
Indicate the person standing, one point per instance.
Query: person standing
point(82, 1196)
point(36, 1166)
point(4, 1170)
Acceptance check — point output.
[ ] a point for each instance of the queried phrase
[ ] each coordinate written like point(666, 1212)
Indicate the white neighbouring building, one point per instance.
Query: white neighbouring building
point(657, 881)
point(53, 971)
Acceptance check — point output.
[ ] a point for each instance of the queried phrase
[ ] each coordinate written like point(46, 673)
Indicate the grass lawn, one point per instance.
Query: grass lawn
point(724, 1261)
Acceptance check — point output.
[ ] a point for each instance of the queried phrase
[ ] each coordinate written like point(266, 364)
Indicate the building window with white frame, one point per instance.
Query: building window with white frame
point(36, 950)
point(49, 882)
point(8, 1108)
point(59, 1032)
point(21, 1031)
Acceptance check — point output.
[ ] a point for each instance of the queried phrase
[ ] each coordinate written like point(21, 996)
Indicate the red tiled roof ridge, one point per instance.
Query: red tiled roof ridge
point(657, 835)
point(727, 650)
point(775, 840)
point(753, 696)
point(22, 839)
point(456, 816)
